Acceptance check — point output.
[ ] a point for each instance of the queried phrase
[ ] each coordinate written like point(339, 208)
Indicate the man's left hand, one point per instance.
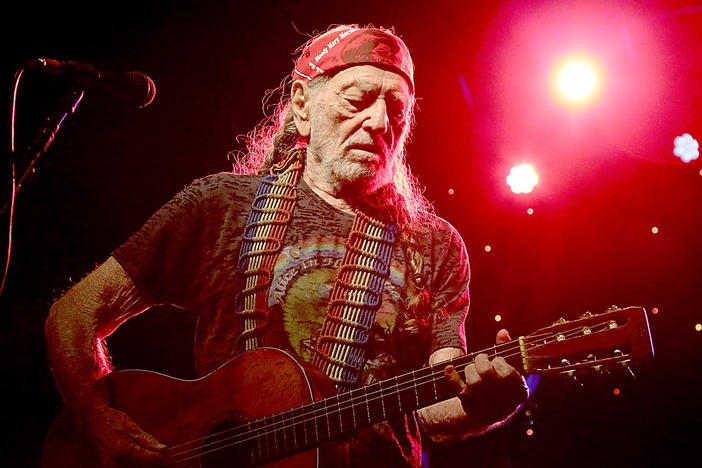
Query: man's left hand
point(492, 389)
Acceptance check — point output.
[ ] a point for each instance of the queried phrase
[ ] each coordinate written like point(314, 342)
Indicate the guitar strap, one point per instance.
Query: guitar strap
point(269, 217)
point(355, 299)
point(357, 293)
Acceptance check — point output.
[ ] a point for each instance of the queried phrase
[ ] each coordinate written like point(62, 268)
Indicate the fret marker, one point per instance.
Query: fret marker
point(436, 393)
point(399, 398)
point(414, 384)
point(382, 403)
point(353, 413)
point(367, 407)
point(341, 422)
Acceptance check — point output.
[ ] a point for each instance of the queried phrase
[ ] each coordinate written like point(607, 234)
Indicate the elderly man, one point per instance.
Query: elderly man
point(321, 245)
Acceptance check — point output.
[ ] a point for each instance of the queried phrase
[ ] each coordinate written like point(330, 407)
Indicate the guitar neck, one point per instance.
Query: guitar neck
point(342, 414)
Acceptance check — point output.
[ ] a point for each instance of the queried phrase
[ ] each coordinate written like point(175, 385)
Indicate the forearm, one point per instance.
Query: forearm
point(447, 423)
point(77, 324)
point(76, 355)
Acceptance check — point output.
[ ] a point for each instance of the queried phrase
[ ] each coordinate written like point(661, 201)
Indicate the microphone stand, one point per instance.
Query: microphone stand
point(43, 139)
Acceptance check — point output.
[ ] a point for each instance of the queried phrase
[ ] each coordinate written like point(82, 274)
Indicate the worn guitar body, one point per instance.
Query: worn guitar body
point(250, 386)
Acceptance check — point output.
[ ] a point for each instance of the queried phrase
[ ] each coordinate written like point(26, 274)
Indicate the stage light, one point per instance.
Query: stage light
point(498, 318)
point(451, 191)
point(522, 178)
point(530, 432)
point(577, 80)
point(698, 327)
point(530, 211)
point(616, 391)
point(488, 248)
point(686, 148)
point(654, 229)
point(654, 311)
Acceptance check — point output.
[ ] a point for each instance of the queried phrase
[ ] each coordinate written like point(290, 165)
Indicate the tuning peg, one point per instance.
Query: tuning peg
point(613, 308)
point(570, 374)
point(560, 321)
point(586, 315)
point(625, 365)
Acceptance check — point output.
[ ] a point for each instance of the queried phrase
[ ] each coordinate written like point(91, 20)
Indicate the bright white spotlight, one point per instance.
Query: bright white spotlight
point(577, 80)
point(522, 178)
point(686, 148)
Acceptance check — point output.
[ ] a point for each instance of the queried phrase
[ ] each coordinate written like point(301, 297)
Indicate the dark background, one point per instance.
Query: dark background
point(607, 177)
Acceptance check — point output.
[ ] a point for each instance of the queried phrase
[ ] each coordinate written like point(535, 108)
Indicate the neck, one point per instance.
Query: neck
point(327, 192)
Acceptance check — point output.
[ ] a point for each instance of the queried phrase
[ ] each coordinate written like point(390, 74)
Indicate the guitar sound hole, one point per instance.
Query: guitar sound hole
point(226, 446)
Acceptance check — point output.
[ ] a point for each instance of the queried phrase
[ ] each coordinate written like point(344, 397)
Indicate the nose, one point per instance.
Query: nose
point(376, 120)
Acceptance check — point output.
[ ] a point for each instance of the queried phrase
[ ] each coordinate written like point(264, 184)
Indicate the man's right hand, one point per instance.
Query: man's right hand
point(117, 439)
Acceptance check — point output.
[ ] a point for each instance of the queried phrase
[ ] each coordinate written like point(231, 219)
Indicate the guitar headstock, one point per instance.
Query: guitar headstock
point(593, 342)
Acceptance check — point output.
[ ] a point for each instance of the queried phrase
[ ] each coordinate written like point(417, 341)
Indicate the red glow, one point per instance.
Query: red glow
point(616, 391)
point(630, 104)
point(530, 432)
point(654, 311)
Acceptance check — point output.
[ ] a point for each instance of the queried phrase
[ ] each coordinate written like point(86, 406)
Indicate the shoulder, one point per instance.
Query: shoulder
point(222, 187)
point(436, 230)
point(225, 182)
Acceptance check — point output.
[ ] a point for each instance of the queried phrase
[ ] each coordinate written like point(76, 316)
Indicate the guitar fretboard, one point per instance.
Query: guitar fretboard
point(334, 417)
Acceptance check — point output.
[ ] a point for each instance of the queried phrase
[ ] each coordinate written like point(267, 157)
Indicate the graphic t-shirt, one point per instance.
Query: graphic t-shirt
point(186, 254)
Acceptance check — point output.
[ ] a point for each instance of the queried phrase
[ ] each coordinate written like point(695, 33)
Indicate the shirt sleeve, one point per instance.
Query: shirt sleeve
point(163, 256)
point(450, 293)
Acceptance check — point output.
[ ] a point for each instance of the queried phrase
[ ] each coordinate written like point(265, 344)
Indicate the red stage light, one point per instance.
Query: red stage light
point(498, 318)
point(698, 327)
point(616, 391)
point(577, 80)
point(522, 178)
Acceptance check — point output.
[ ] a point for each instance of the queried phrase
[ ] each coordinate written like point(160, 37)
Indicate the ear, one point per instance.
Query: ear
point(300, 99)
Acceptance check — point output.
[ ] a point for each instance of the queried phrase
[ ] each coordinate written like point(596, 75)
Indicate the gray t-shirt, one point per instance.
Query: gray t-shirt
point(186, 254)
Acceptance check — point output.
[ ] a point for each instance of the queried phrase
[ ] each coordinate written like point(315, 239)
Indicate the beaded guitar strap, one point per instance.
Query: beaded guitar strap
point(270, 215)
point(355, 297)
point(354, 301)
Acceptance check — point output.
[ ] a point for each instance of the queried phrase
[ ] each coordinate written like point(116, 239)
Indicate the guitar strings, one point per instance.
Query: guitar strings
point(430, 378)
point(466, 356)
point(434, 376)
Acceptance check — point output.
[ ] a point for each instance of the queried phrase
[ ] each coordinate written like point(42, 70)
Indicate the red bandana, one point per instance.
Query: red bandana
point(346, 46)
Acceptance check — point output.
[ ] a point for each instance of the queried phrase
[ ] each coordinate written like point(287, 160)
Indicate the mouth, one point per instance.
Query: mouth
point(372, 149)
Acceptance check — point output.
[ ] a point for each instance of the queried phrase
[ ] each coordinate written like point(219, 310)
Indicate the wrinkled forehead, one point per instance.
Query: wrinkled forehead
point(347, 46)
point(370, 78)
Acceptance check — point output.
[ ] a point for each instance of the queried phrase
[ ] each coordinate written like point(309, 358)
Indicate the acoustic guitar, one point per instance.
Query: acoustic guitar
point(265, 408)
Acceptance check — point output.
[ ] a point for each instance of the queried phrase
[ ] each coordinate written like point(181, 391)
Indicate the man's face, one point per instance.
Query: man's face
point(358, 121)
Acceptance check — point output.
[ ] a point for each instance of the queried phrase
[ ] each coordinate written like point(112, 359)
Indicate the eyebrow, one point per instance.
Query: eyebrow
point(398, 92)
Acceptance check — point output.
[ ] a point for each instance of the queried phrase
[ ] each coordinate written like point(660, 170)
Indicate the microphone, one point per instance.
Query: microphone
point(134, 87)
